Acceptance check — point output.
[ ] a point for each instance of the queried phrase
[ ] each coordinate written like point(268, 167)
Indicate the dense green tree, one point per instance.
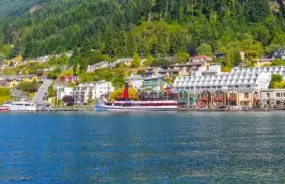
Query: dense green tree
point(136, 60)
point(275, 79)
point(108, 28)
point(205, 49)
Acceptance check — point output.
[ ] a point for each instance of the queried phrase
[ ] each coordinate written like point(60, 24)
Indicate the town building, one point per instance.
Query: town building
point(70, 79)
point(213, 78)
point(85, 92)
point(154, 83)
point(280, 70)
point(63, 90)
point(272, 97)
point(135, 81)
point(123, 61)
point(13, 81)
point(97, 66)
point(262, 62)
point(201, 58)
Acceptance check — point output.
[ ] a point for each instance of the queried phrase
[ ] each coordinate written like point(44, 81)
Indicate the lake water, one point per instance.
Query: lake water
point(142, 148)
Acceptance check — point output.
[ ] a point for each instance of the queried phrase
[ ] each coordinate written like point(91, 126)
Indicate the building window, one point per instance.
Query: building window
point(246, 95)
point(278, 95)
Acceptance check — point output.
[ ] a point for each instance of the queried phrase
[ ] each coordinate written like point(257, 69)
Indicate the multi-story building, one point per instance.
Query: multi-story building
point(272, 97)
point(269, 70)
point(91, 91)
point(63, 90)
point(213, 79)
point(124, 61)
point(154, 83)
point(136, 81)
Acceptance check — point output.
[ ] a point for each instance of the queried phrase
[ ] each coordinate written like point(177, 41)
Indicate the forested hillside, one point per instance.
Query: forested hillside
point(17, 7)
point(148, 27)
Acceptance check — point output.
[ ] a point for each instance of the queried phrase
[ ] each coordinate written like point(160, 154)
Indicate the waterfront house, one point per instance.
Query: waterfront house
point(97, 66)
point(91, 91)
point(63, 90)
point(248, 98)
point(272, 97)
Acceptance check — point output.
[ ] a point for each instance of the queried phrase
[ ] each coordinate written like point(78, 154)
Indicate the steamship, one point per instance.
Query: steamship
point(127, 104)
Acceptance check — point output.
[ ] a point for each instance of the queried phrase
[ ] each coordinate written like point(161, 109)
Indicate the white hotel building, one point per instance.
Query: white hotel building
point(91, 91)
point(280, 70)
point(239, 78)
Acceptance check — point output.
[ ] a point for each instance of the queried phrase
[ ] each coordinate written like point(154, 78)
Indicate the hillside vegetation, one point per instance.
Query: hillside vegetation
point(150, 27)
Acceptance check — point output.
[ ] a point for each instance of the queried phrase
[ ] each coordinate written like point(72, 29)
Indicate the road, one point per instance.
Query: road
point(43, 89)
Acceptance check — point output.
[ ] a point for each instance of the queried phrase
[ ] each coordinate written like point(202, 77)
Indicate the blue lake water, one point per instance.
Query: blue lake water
point(142, 148)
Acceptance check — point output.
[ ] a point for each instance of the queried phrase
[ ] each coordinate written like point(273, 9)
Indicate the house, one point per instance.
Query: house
point(124, 61)
point(220, 55)
point(262, 62)
point(91, 91)
point(150, 71)
point(201, 58)
point(13, 81)
point(63, 90)
point(154, 83)
point(70, 79)
point(135, 81)
point(279, 54)
point(97, 66)
point(43, 59)
point(218, 98)
point(188, 68)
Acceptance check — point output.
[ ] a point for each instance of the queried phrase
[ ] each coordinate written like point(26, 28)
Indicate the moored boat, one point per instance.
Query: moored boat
point(20, 106)
point(127, 104)
point(130, 105)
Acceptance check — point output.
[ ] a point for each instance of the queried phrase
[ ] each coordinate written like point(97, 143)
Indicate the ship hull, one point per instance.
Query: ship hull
point(103, 107)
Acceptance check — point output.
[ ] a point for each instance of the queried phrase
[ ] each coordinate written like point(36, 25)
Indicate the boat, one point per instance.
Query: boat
point(126, 104)
point(4, 109)
point(20, 106)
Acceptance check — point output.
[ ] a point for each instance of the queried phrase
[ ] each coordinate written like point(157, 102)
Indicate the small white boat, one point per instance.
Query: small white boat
point(20, 106)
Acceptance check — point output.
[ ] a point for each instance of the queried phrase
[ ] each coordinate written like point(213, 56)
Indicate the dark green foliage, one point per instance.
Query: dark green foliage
point(5, 92)
point(161, 63)
point(275, 79)
point(29, 87)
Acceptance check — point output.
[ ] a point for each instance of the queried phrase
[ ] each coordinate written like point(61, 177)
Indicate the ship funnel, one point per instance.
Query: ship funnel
point(126, 91)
